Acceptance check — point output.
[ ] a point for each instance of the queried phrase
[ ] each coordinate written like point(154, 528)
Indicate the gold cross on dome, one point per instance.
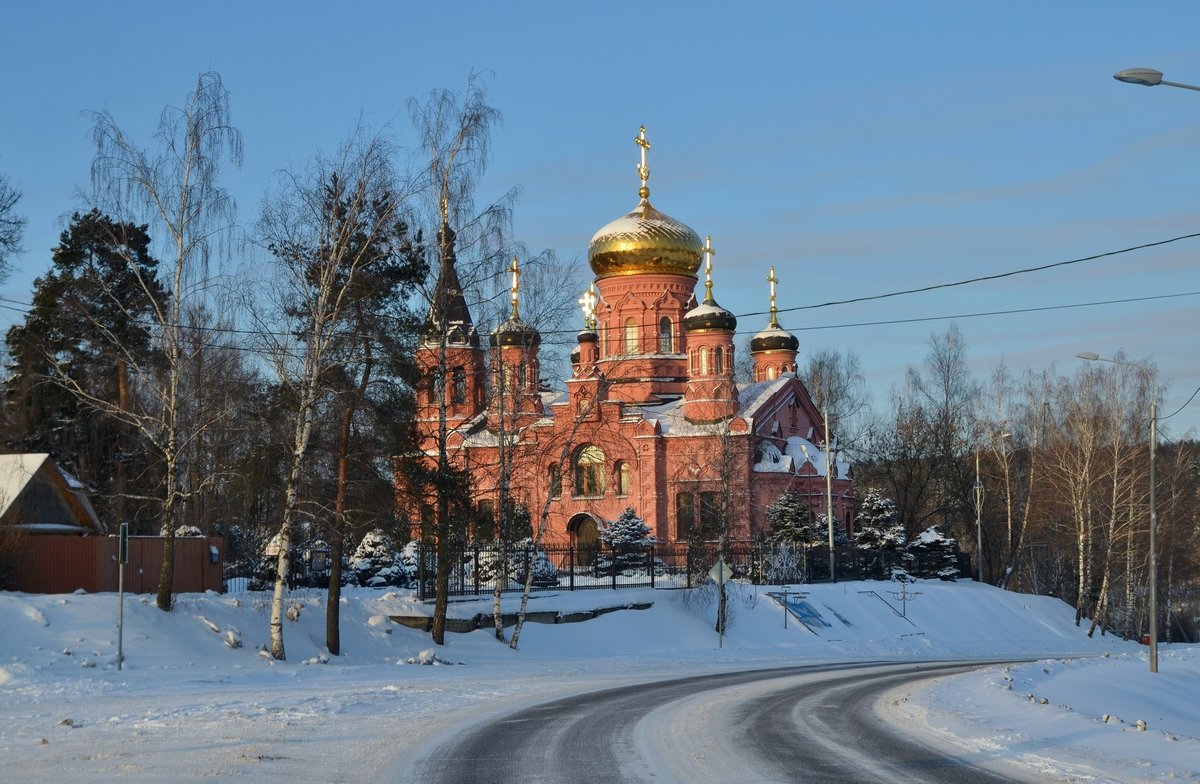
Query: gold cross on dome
point(773, 280)
point(516, 274)
point(588, 304)
point(708, 254)
point(642, 169)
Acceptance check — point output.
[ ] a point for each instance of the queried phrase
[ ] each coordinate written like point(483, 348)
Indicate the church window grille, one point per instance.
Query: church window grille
point(666, 343)
point(631, 336)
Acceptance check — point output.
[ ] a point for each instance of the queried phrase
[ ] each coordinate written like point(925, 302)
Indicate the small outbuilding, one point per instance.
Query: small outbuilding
point(38, 497)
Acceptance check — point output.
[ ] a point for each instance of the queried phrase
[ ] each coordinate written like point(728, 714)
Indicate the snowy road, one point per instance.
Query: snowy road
point(797, 724)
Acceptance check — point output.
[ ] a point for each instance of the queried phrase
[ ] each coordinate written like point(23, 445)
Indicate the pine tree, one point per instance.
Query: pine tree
point(628, 537)
point(821, 531)
point(628, 530)
point(936, 555)
point(790, 520)
point(878, 524)
point(89, 322)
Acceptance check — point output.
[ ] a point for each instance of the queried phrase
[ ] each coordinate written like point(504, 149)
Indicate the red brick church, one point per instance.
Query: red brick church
point(652, 417)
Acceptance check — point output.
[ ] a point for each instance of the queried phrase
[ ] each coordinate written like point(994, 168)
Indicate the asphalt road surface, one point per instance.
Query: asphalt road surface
point(801, 724)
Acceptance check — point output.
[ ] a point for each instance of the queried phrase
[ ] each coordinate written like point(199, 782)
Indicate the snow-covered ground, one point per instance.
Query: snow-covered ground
point(188, 706)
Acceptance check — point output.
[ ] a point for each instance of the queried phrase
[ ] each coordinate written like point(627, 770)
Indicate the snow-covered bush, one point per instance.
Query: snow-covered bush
point(935, 554)
point(628, 530)
point(790, 520)
point(628, 538)
point(840, 537)
point(377, 563)
point(491, 559)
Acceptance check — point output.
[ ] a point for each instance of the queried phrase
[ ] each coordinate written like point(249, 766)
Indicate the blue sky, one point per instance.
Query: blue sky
point(861, 148)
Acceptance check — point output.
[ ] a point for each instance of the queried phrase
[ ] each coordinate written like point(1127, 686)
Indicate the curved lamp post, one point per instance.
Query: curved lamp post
point(1093, 357)
point(1148, 77)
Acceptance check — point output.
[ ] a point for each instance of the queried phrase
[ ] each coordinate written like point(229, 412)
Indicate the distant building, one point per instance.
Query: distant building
point(38, 497)
point(652, 418)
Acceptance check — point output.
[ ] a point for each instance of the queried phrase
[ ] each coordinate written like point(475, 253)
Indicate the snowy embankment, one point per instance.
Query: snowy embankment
point(196, 699)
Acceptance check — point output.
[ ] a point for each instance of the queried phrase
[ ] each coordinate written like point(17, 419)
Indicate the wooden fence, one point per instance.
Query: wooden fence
point(65, 564)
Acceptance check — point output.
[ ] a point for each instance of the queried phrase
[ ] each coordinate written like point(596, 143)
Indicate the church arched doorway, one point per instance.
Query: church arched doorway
point(585, 538)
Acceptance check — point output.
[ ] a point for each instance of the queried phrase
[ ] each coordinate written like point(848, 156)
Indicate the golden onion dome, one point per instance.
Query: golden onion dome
point(645, 241)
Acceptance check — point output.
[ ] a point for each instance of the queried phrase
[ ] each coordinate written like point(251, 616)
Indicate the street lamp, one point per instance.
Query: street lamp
point(1148, 77)
point(1093, 357)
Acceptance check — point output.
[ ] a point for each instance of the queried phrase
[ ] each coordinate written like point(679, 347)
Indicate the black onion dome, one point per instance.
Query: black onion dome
point(709, 315)
point(774, 338)
point(515, 332)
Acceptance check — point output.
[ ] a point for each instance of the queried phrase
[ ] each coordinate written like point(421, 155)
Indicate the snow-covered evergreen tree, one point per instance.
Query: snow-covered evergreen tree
point(628, 530)
point(936, 554)
point(376, 562)
point(629, 536)
point(878, 524)
point(821, 531)
point(790, 520)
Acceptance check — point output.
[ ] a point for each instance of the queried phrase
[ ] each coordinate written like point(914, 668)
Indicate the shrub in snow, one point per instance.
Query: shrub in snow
point(410, 556)
point(628, 538)
point(508, 562)
point(188, 530)
point(935, 555)
point(628, 530)
point(376, 562)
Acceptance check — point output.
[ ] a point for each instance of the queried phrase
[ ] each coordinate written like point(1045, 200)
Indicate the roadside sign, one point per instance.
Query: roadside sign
point(123, 547)
point(720, 573)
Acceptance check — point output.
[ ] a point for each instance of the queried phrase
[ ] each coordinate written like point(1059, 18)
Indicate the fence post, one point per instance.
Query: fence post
point(571, 564)
point(612, 564)
point(650, 565)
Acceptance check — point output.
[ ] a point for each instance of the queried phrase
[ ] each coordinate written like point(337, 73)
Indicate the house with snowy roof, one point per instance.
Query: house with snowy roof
point(652, 417)
point(38, 497)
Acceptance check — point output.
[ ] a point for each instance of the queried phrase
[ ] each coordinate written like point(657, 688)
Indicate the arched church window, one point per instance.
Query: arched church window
point(685, 515)
point(666, 344)
point(631, 336)
point(437, 389)
point(719, 361)
point(589, 471)
point(555, 481)
point(771, 373)
point(459, 390)
point(624, 477)
point(522, 376)
point(704, 362)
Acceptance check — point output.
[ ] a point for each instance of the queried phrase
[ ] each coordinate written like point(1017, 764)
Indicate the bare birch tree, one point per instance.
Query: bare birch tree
point(174, 189)
point(326, 229)
point(455, 135)
point(11, 224)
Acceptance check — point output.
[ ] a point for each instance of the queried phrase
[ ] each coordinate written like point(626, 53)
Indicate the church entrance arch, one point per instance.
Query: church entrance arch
point(585, 538)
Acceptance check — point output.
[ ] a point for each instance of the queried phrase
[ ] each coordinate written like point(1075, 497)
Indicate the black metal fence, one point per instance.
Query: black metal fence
point(484, 567)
